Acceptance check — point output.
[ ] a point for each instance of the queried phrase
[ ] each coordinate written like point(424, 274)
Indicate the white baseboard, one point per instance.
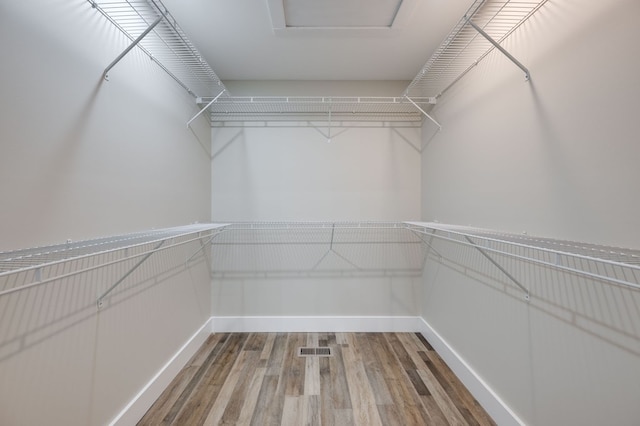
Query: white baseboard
point(139, 405)
point(315, 324)
point(491, 402)
point(487, 398)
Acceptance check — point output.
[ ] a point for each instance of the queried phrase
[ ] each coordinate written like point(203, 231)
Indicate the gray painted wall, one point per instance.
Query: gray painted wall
point(557, 157)
point(80, 158)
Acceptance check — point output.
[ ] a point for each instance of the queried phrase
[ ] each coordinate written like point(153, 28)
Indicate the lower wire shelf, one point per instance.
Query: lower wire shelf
point(32, 267)
point(619, 266)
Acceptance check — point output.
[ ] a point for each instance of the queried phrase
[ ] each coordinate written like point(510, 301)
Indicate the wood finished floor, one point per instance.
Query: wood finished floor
point(371, 379)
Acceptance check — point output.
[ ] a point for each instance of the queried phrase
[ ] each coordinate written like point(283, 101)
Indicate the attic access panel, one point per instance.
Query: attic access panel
point(340, 13)
point(295, 17)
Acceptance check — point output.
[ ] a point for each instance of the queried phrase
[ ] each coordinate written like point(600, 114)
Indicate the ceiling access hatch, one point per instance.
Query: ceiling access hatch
point(292, 16)
point(340, 13)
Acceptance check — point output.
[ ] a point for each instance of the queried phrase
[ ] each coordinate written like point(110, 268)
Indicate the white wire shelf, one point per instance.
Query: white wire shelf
point(166, 44)
point(619, 266)
point(464, 47)
point(317, 249)
point(259, 108)
point(27, 268)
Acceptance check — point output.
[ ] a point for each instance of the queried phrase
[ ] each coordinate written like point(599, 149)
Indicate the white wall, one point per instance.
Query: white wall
point(289, 173)
point(81, 157)
point(317, 297)
point(276, 171)
point(554, 157)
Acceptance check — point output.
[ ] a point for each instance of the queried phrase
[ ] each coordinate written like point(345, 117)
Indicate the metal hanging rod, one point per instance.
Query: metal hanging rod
point(259, 108)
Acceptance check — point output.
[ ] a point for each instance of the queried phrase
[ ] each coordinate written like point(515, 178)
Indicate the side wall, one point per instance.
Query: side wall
point(81, 157)
point(557, 157)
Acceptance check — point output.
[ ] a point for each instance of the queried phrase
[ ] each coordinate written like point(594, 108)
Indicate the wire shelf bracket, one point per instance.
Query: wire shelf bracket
point(205, 108)
point(105, 74)
point(424, 112)
point(527, 75)
point(101, 298)
point(527, 295)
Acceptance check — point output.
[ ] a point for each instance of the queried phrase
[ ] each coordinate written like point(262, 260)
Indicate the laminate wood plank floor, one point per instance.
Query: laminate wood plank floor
point(370, 379)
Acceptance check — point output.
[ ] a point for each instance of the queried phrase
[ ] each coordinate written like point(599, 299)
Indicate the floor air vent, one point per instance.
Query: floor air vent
point(323, 351)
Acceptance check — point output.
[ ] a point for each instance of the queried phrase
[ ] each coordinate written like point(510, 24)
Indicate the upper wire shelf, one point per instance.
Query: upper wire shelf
point(315, 108)
point(166, 44)
point(464, 47)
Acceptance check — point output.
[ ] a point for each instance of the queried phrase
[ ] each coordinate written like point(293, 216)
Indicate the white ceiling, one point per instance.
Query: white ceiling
point(238, 39)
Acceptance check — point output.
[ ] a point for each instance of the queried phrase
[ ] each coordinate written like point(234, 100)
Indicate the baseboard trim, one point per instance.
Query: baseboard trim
point(139, 405)
point(301, 324)
point(487, 398)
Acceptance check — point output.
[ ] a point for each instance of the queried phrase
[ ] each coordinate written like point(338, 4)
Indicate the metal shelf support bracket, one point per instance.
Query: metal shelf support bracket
point(205, 108)
point(527, 296)
point(137, 265)
point(527, 75)
point(424, 112)
point(131, 46)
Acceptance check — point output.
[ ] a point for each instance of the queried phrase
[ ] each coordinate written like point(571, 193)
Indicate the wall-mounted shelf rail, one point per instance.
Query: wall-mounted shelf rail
point(260, 108)
point(150, 26)
point(32, 267)
point(317, 249)
point(485, 25)
point(602, 263)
